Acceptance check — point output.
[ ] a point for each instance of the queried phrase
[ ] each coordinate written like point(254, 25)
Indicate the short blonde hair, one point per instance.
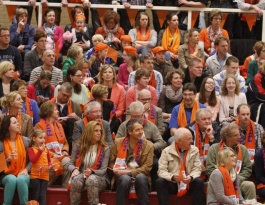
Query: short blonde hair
point(4, 67)
point(20, 11)
point(74, 51)
point(98, 37)
point(224, 155)
point(98, 90)
point(6, 101)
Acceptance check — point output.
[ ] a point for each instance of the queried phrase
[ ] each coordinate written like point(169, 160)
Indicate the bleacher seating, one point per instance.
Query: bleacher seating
point(61, 196)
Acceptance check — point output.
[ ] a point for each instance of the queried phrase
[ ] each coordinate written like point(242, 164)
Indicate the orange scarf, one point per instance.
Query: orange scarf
point(182, 120)
point(182, 188)
point(98, 161)
point(18, 164)
point(140, 37)
point(239, 156)
point(203, 151)
point(29, 109)
point(69, 106)
point(120, 162)
point(250, 138)
point(169, 42)
point(152, 114)
point(230, 187)
point(152, 81)
point(55, 134)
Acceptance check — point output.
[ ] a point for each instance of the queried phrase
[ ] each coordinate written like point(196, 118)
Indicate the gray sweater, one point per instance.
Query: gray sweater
point(215, 190)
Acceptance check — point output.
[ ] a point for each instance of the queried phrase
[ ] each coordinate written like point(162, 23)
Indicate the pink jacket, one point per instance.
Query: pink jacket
point(123, 74)
point(58, 36)
point(131, 96)
point(118, 98)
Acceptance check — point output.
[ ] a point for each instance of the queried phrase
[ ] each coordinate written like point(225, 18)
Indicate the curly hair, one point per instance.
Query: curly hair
point(110, 14)
point(98, 90)
point(87, 135)
point(223, 86)
point(170, 75)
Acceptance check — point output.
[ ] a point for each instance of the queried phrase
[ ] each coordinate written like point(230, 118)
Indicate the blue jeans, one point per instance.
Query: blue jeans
point(123, 185)
point(11, 183)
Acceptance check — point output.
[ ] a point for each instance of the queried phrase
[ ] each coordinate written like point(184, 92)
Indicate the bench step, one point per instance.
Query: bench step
point(61, 196)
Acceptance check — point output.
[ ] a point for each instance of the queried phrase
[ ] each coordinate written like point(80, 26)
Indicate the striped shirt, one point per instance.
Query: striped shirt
point(219, 78)
point(57, 75)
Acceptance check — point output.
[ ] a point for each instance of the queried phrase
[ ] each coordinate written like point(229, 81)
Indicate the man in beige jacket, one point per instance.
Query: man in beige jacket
point(179, 168)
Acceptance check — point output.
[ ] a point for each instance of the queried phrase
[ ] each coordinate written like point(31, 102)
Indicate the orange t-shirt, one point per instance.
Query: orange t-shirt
point(204, 37)
point(40, 163)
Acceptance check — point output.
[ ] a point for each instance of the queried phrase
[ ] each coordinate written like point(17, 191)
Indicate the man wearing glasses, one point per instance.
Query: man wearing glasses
point(151, 112)
point(8, 52)
point(93, 111)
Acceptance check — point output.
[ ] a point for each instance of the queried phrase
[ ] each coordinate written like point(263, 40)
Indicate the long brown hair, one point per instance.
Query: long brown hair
point(85, 140)
point(212, 101)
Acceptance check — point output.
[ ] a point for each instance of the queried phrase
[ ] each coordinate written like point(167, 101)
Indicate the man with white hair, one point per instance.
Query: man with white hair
point(151, 112)
point(93, 111)
point(179, 167)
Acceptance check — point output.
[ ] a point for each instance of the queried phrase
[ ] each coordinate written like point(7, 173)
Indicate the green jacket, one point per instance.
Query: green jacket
point(211, 162)
point(66, 64)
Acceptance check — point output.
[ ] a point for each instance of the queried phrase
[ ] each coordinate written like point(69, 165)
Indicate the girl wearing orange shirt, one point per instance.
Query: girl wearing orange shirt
point(40, 158)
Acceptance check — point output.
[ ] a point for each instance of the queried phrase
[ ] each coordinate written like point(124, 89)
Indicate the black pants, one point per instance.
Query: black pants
point(39, 190)
point(164, 188)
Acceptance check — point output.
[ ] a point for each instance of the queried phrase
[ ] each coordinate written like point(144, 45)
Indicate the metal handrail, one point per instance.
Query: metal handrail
point(161, 8)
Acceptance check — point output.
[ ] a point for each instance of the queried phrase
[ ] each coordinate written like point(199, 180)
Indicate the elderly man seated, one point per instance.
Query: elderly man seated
point(179, 170)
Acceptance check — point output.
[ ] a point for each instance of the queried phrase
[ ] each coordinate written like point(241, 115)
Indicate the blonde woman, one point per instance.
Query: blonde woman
point(13, 103)
point(88, 165)
point(190, 48)
point(7, 71)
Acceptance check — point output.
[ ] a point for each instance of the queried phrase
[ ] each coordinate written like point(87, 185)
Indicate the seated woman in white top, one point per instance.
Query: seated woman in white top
point(74, 76)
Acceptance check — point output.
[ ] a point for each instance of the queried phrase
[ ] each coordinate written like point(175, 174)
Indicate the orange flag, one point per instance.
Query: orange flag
point(194, 17)
point(101, 13)
point(113, 54)
point(251, 20)
point(3, 162)
point(161, 16)
point(224, 16)
point(131, 13)
point(11, 10)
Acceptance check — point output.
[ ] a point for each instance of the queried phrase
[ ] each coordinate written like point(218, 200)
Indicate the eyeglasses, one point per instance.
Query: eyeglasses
point(79, 76)
point(96, 111)
point(6, 35)
point(217, 19)
point(145, 99)
point(42, 41)
point(210, 83)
